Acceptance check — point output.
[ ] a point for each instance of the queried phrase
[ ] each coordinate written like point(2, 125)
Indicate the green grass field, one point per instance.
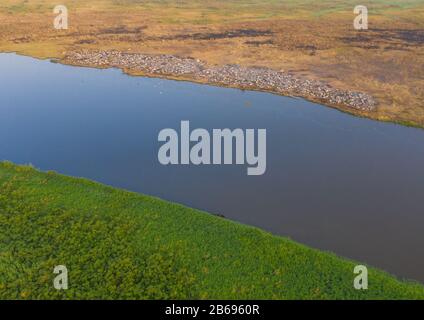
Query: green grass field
point(122, 245)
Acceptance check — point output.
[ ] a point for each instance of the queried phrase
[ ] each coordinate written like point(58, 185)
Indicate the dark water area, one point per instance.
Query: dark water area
point(335, 182)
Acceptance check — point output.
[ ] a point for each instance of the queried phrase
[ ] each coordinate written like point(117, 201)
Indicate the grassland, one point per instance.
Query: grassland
point(312, 39)
point(122, 245)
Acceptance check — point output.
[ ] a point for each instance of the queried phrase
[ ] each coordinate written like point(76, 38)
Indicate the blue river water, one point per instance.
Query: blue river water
point(335, 182)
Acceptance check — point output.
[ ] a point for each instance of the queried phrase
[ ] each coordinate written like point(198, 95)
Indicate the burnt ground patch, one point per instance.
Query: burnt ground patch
point(122, 30)
point(85, 41)
point(390, 38)
point(259, 43)
point(239, 33)
point(306, 47)
point(413, 36)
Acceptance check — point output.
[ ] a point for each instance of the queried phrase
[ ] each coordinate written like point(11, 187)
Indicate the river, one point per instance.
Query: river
point(335, 182)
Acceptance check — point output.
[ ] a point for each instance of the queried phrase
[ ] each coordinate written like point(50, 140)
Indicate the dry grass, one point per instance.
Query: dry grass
point(308, 38)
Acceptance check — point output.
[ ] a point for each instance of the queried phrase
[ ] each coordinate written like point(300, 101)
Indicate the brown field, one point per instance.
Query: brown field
point(312, 39)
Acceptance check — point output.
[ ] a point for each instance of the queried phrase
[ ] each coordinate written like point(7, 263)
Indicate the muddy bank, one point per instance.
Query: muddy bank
point(227, 75)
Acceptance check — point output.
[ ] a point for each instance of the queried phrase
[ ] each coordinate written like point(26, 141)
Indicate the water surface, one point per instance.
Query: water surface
point(335, 182)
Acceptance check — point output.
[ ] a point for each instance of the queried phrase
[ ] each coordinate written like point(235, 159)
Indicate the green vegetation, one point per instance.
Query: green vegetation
point(118, 244)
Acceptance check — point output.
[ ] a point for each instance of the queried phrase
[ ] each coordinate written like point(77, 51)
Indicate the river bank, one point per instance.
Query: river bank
point(174, 251)
point(252, 78)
